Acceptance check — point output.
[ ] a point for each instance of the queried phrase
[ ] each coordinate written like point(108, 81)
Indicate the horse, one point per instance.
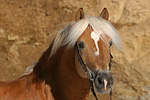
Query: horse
point(77, 60)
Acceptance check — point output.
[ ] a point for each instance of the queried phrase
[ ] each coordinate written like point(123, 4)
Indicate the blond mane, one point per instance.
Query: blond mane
point(74, 30)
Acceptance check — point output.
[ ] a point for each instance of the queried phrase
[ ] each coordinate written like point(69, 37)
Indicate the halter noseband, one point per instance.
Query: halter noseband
point(88, 74)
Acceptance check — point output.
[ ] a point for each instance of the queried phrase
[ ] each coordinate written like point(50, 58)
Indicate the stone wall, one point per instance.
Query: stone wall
point(28, 26)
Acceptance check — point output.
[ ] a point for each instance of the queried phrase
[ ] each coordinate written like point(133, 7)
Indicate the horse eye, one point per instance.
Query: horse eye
point(110, 43)
point(81, 45)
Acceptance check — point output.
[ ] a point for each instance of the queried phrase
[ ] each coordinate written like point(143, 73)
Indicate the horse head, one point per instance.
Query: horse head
point(93, 55)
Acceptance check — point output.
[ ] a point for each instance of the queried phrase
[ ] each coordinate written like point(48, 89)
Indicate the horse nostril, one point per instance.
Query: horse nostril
point(100, 80)
point(108, 83)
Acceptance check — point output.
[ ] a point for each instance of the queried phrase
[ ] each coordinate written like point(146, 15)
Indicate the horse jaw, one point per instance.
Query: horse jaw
point(79, 68)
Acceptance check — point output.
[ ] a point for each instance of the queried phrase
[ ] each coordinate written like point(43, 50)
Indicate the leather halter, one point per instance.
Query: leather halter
point(87, 72)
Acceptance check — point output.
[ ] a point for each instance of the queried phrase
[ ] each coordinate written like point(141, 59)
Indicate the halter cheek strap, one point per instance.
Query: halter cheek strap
point(87, 72)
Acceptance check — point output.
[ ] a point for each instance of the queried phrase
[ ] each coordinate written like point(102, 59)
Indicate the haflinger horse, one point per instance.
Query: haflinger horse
point(77, 60)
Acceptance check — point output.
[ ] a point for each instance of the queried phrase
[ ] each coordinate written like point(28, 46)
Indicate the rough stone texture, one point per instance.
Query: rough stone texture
point(28, 26)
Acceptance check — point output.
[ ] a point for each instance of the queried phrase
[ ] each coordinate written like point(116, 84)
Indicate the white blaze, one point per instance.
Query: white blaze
point(95, 37)
point(105, 84)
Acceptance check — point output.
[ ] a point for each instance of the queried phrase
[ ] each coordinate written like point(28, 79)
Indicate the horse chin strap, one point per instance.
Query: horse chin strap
point(88, 73)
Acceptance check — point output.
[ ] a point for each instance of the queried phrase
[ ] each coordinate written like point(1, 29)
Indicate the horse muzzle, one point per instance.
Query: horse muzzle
point(103, 82)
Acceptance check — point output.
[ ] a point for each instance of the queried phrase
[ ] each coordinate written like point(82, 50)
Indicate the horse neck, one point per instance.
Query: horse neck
point(72, 83)
point(60, 73)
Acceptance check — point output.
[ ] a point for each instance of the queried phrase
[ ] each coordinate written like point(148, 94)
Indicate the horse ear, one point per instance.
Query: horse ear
point(79, 15)
point(105, 14)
